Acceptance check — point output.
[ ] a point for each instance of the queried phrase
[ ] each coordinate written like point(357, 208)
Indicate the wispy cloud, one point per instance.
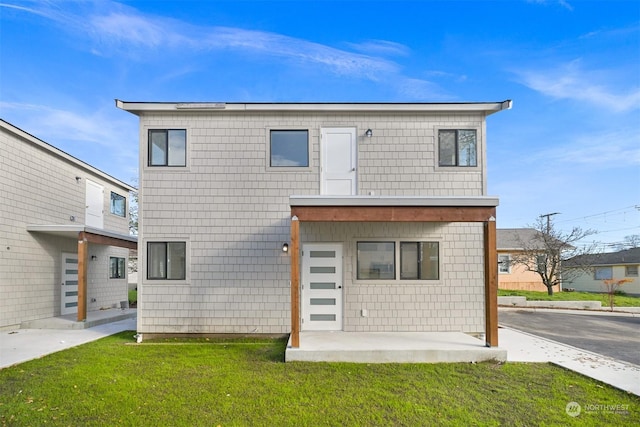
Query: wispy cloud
point(117, 29)
point(563, 3)
point(606, 150)
point(380, 47)
point(570, 81)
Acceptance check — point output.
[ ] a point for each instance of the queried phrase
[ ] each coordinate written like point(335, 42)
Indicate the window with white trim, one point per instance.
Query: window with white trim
point(504, 263)
point(603, 273)
point(631, 271)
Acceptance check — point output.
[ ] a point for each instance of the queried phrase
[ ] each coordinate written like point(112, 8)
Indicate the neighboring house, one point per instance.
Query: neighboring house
point(612, 265)
point(275, 218)
point(64, 231)
point(515, 276)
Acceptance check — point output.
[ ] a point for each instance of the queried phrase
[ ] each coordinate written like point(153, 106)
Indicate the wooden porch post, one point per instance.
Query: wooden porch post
point(491, 283)
point(295, 282)
point(83, 255)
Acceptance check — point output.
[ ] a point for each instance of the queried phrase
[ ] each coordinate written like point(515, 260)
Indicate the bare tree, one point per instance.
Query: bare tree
point(630, 242)
point(546, 248)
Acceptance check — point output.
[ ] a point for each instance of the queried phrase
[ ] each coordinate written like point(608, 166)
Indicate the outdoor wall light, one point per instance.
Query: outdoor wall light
point(285, 247)
point(93, 257)
point(369, 133)
point(78, 179)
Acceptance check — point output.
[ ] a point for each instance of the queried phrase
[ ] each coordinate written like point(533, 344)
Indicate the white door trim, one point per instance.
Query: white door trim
point(338, 161)
point(322, 283)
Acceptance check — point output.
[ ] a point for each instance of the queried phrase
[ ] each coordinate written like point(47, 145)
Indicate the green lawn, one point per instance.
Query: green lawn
point(620, 300)
point(115, 382)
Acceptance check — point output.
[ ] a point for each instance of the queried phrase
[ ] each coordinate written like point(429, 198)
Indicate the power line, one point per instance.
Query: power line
point(621, 210)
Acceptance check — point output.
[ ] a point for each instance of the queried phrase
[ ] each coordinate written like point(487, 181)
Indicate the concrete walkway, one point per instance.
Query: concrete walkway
point(23, 345)
point(27, 344)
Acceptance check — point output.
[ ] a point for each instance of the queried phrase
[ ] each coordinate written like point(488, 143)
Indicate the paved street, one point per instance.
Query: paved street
point(614, 336)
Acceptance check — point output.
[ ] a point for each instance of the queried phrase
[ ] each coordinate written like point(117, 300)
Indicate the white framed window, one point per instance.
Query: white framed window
point(457, 147)
point(631, 271)
point(167, 147)
point(416, 260)
point(289, 148)
point(118, 205)
point(504, 263)
point(117, 268)
point(603, 273)
point(166, 260)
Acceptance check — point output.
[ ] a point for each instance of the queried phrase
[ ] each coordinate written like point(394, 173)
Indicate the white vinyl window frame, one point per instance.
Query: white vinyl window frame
point(631, 271)
point(504, 264)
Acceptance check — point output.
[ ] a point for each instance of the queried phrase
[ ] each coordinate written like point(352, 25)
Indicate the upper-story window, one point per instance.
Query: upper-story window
point(289, 148)
point(458, 147)
point(118, 205)
point(167, 147)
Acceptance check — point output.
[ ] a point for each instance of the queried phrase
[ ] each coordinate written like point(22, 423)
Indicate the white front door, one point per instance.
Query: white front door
point(322, 287)
point(94, 215)
point(338, 158)
point(69, 291)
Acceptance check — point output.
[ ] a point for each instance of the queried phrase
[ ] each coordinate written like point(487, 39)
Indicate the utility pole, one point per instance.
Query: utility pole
point(548, 216)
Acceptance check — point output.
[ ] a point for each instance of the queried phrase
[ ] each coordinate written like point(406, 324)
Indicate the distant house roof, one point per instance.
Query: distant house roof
point(512, 238)
point(625, 257)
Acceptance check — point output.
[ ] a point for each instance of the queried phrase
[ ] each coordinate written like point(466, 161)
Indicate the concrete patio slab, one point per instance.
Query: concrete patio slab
point(94, 318)
point(392, 347)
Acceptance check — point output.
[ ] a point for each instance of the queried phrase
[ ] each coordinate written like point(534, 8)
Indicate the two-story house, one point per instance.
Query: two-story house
point(293, 217)
point(64, 233)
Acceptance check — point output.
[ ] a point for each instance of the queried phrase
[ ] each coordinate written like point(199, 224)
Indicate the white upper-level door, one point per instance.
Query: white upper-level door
point(338, 161)
point(94, 215)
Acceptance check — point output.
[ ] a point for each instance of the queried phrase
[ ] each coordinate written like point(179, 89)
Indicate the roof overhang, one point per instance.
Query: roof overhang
point(94, 235)
point(393, 209)
point(142, 107)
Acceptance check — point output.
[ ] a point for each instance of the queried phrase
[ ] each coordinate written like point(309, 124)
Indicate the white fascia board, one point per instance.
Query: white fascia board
point(484, 201)
point(486, 107)
point(72, 231)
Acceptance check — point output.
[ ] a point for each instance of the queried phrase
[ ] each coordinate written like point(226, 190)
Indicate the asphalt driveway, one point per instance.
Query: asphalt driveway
point(614, 336)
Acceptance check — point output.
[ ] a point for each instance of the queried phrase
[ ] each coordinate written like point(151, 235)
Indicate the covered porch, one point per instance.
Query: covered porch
point(439, 344)
point(85, 235)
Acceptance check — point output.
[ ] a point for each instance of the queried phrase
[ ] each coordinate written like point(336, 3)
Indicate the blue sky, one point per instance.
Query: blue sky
point(571, 143)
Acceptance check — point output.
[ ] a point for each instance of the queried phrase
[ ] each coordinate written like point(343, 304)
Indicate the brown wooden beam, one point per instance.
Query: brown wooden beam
point(83, 255)
point(110, 241)
point(491, 284)
point(295, 282)
point(393, 213)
